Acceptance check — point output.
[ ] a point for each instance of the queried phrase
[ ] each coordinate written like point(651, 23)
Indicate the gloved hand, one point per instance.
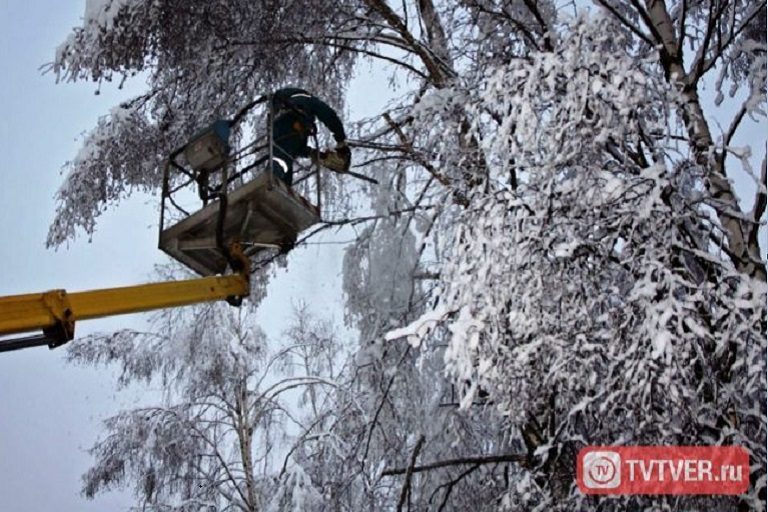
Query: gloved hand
point(344, 152)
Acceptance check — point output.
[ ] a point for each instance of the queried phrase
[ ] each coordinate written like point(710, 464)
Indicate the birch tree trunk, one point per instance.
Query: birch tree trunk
point(743, 253)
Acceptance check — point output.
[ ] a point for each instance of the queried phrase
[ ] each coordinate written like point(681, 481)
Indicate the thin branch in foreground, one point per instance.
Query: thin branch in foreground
point(490, 459)
point(407, 484)
point(723, 45)
point(449, 485)
point(681, 28)
point(383, 401)
point(734, 126)
point(761, 200)
point(624, 21)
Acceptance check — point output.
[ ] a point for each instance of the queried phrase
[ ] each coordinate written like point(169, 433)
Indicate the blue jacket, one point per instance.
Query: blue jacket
point(292, 105)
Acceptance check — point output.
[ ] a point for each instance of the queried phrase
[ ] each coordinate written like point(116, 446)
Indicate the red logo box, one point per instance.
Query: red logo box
point(662, 470)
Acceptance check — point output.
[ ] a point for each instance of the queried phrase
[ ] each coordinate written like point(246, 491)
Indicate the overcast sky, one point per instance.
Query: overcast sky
point(49, 412)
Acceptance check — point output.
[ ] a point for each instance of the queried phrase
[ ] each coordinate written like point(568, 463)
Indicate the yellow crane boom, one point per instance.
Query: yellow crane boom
point(55, 312)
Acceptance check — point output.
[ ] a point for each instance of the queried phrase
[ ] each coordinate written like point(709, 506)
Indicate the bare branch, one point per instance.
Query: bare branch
point(383, 401)
point(490, 459)
point(527, 34)
point(734, 126)
point(534, 9)
point(759, 209)
point(697, 68)
point(450, 484)
point(624, 21)
point(436, 75)
point(723, 45)
point(334, 41)
point(435, 32)
point(407, 484)
point(681, 27)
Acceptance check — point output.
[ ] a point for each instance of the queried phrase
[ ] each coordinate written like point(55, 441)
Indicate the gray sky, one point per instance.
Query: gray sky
point(49, 411)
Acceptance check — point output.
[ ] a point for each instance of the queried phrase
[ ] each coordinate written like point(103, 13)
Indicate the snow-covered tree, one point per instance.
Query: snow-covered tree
point(215, 438)
point(555, 255)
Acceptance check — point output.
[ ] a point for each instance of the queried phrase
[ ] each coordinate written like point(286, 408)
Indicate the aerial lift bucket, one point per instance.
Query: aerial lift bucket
point(260, 213)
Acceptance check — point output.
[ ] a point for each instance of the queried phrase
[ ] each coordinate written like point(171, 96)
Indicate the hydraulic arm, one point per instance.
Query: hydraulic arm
point(55, 312)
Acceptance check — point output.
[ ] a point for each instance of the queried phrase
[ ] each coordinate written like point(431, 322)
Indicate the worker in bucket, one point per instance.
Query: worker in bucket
point(295, 111)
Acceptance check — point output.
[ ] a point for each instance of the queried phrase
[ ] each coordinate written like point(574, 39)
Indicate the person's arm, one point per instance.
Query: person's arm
point(330, 119)
point(324, 113)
